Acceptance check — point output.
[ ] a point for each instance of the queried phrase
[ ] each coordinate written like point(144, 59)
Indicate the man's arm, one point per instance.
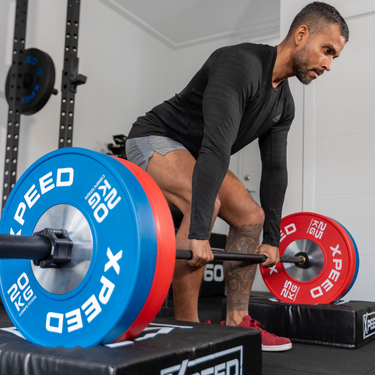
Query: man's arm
point(273, 185)
point(224, 100)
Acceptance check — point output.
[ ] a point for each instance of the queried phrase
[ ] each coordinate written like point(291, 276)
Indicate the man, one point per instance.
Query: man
point(240, 94)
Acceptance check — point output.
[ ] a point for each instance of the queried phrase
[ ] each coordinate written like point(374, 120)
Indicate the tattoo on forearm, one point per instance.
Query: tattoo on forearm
point(240, 275)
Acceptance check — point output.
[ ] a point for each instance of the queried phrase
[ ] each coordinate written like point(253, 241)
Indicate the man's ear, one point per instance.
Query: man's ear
point(301, 35)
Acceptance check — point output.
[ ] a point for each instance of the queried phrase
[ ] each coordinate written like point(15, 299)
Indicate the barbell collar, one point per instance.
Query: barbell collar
point(60, 248)
point(49, 248)
point(252, 258)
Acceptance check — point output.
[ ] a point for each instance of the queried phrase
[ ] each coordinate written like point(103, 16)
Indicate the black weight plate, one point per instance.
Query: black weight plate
point(37, 81)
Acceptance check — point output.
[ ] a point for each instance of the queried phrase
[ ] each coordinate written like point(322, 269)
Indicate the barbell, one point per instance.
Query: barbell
point(50, 242)
point(88, 251)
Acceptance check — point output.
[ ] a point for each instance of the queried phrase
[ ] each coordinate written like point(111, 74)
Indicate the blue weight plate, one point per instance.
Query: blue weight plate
point(357, 261)
point(98, 295)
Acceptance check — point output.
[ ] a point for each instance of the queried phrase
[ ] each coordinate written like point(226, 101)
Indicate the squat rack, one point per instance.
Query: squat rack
point(69, 82)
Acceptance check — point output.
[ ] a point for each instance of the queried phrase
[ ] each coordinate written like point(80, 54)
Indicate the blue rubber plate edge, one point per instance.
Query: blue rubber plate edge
point(357, 261)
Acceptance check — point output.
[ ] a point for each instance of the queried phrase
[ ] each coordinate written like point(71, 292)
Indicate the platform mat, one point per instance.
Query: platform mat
point(349, 324)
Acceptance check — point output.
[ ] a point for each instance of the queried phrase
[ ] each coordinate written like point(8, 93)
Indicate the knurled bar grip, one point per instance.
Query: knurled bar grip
point(14, 111)
point(252, 258)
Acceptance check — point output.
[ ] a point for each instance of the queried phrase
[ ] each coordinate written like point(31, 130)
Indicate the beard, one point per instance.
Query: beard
point(301, 62)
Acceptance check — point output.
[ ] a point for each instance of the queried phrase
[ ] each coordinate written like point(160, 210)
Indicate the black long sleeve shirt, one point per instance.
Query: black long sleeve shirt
point(228, 104)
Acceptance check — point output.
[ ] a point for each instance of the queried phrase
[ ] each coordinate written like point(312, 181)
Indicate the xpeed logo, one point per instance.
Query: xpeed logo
point(368, 324)
point(226, 362)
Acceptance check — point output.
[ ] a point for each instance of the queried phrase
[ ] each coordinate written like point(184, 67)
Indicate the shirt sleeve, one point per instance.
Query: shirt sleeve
point(274, 179)
point(224, 100)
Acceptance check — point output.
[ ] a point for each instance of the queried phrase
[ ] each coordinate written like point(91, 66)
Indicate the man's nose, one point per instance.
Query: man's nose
point(327, 64)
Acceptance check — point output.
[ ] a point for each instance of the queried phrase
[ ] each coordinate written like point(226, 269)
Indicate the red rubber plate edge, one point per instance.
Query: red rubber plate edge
point(166, 255)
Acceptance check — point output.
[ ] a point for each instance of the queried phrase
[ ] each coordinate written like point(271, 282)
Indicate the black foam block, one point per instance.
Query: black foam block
point(349, 324)
point(165, 347)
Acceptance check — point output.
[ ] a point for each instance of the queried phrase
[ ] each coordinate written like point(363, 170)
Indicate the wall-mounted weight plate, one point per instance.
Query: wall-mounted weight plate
point(166, 255)
point(108, 216)
point(331, 255)
point(37, 81)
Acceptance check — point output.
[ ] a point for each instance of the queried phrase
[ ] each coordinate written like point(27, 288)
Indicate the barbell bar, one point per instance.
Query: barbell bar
point(117, 238)
point(251, 258)
point(41, 247)
point(24, 247)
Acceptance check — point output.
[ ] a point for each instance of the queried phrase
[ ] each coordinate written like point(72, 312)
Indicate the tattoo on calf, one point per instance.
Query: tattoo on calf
point(240, 275)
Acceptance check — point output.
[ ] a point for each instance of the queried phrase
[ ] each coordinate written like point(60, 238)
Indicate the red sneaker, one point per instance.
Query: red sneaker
point(270, 342)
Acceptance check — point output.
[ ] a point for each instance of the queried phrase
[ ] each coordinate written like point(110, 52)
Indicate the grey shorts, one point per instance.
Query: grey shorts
point(140, 150)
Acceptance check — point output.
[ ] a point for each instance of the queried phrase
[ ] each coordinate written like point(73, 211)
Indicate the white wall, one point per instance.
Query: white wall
point(128, 72)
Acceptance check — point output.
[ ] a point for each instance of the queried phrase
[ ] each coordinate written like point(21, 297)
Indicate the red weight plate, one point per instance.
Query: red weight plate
point(333, 261)
point(166, 256)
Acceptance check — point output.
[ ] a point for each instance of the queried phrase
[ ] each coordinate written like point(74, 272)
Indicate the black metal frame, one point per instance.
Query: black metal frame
point(14, 109)
point(70, 80)
point(70, 77)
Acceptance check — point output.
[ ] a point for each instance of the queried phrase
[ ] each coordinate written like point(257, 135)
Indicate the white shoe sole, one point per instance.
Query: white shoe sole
point(276, 348)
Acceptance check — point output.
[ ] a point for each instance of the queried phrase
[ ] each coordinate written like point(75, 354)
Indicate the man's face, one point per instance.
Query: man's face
point(317, 54)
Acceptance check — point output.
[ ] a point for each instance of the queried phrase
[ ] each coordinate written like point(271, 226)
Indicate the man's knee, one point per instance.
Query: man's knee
point(257, 215)
point(251, 214)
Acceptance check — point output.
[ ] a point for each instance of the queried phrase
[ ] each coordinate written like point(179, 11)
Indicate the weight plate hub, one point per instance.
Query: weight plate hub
point(114, 275)
point(37, 82)
point(332, 261)
point(64, 279)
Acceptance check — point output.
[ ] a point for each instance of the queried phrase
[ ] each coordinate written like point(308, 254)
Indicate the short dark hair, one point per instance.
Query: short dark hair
point(316, 16)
